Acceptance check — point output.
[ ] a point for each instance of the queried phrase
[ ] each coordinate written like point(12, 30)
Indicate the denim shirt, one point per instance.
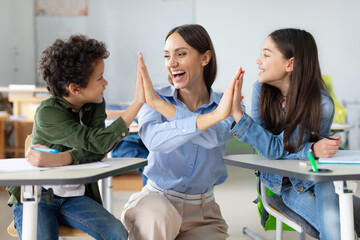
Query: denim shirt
point(252, 131)
point(183, 158)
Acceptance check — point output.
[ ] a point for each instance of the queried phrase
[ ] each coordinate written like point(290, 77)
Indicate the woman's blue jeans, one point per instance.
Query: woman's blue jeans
point(81, 212)
point(319, 206)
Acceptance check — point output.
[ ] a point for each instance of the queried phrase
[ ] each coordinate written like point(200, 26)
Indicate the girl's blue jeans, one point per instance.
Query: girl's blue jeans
point(319, 206)
point(81, 212)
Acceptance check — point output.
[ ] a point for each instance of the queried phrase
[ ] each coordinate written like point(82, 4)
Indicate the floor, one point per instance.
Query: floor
point(235, 198)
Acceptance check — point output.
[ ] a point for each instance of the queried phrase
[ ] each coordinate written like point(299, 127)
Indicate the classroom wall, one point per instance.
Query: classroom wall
point(238, 30)
point(17, 45)
point(126, 27)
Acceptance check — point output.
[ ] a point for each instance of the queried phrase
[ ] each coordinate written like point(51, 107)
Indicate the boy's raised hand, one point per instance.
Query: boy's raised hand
point(236, 110)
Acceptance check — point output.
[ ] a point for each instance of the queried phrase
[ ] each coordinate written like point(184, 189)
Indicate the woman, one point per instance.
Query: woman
point(185, 127)
point(289, 102)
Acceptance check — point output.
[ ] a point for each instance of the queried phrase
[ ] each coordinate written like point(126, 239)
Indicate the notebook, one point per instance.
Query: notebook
point(342, 157)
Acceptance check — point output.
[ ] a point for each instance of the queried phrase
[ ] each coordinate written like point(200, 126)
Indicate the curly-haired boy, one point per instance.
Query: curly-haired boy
point(72, 121)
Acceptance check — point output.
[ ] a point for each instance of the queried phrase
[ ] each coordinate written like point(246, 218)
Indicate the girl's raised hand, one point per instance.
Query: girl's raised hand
point(151, 97)
point(236, 110)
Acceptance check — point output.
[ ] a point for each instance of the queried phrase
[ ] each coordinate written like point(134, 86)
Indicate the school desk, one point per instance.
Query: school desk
point(31, 182)
point(343, 176)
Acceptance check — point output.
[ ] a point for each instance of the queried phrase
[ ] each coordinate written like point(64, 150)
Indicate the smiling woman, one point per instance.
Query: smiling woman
point(186, 128)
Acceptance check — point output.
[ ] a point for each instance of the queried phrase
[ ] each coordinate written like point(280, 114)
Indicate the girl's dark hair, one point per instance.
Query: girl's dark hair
point(303, 102)
point(198, 38)
point(71, 61)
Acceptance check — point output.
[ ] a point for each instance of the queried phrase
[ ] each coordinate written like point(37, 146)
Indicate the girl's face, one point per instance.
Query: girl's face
point(184, 64)
point(274, 69)
point(94, 91)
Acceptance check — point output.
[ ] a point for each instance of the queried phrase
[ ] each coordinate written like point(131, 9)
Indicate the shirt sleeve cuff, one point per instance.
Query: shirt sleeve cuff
point(238, 129)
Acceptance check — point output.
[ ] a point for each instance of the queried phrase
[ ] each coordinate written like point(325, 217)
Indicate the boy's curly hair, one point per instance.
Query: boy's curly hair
point(71, 61)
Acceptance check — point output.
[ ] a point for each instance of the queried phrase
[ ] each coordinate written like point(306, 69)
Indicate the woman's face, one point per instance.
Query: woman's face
point(274, 68)
point(184, 64)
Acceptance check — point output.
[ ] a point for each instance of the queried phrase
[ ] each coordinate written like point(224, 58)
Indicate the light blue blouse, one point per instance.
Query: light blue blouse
point(183, 158)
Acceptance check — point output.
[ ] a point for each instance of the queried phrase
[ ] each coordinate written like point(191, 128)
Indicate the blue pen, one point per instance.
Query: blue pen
point(49, 150)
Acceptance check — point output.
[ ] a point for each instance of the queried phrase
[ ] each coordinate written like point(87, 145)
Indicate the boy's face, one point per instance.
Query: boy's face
point(94, 91)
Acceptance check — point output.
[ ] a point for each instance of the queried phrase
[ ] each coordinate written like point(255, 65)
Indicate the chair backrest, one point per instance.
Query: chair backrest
point(340, 110)
point(27, 143)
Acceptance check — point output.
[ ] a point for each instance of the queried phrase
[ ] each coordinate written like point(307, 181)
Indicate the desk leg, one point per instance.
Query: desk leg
point(30, 197)
point(346, 190)
point(106, 193)
point(109, 194)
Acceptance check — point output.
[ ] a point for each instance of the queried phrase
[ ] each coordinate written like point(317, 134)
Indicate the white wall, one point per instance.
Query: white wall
point(126, 27)
point(239, 28)
point(17, 45)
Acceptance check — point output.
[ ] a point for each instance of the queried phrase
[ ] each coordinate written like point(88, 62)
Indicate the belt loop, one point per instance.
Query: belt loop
point(202, 200)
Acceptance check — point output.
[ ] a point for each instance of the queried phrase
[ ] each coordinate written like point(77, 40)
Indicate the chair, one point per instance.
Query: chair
point(64, 231)
point(275, 206)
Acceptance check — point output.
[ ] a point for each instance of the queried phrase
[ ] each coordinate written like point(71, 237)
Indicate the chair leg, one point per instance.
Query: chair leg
point(279, 229)
point(251, 234)
point(300, 235)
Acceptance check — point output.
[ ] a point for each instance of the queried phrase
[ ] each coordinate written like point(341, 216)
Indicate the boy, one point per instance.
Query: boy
point(72, 121)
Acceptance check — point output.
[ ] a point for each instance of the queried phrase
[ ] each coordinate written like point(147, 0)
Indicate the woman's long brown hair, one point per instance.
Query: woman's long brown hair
point(303, 102)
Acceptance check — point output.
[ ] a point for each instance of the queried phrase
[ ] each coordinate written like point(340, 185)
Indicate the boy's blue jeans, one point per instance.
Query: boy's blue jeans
point(319, 207)
point(81, 212)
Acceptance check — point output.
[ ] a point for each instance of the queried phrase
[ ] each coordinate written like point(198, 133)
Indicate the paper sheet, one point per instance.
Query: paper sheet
point(343, 157)
point(21, 165)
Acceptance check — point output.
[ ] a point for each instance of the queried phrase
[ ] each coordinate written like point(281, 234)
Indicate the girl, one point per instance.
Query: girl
point(185, 127)
point(289, 102)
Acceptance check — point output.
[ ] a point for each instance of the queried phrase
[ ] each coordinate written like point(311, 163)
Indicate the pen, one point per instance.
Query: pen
point(321, 136)
point(312, 161)
point(46, 150)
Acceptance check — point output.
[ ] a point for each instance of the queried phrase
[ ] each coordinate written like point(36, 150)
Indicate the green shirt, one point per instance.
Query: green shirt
point(58, 126)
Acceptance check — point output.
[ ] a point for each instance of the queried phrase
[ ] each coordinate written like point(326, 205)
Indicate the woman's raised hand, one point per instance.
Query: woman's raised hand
point(227, 101)
point(236, 110)
point(151, 97)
